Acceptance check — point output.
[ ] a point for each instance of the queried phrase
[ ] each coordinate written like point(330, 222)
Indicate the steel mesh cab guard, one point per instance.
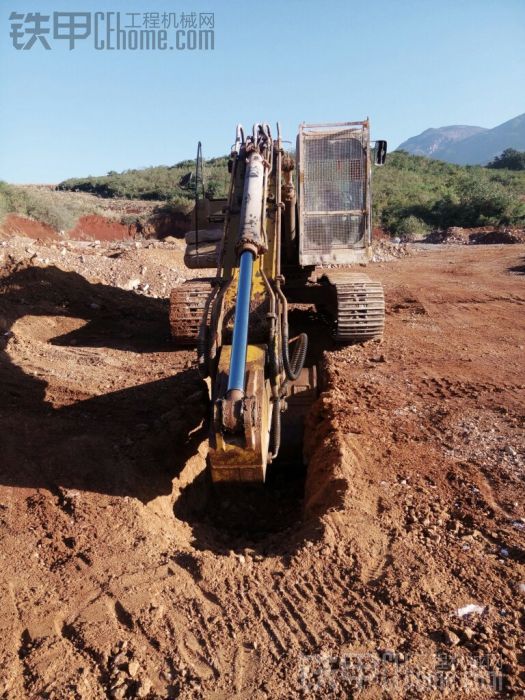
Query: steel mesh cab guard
point(334, 193)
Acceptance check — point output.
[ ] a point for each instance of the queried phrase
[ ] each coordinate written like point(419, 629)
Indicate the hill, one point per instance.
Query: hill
point(468, 145)
point(174, 183)
point(411, 194)
point(431, 141)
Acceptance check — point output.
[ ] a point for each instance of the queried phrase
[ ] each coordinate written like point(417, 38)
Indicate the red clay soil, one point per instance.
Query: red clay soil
point(94, 227)
point(124, 574)
point(15, 225)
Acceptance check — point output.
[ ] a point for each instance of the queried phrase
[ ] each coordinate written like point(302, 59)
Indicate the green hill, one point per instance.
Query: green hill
point(415, 194)
point(172, 183)
point(411, 194)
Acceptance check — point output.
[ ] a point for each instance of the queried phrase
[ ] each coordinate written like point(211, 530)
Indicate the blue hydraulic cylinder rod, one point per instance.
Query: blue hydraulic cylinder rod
point(240, 324)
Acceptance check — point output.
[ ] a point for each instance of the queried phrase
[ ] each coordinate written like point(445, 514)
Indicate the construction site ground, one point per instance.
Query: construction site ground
point(394, 568)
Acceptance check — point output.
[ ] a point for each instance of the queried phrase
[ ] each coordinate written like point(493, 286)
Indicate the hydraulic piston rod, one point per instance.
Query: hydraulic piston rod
point(240, 327)
point(249, 244)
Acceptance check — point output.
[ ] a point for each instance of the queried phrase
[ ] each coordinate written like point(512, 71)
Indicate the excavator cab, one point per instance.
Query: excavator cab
point(334, 193)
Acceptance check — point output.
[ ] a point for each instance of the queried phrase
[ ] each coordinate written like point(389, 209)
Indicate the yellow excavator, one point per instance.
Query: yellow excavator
point(291, 227)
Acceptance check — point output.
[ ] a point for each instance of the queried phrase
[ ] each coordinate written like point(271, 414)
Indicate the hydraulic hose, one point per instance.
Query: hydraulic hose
point(276, 429)
point(293, 366)
point(203, 340)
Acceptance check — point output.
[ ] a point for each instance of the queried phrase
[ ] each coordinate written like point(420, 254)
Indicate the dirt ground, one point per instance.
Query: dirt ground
point(123, 574)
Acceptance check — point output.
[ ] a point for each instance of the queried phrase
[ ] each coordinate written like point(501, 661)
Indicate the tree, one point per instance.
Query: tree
point(511, 159)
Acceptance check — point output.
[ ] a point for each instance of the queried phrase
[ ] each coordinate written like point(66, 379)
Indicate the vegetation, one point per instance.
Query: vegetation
point(43, 205)
point(510, 159)
point(412, 228)
point(174, 184)
point(412, 195)
point(413, 192)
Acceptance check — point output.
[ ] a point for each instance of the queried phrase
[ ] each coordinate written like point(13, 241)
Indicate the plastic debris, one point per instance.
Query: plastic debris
point(469, 609)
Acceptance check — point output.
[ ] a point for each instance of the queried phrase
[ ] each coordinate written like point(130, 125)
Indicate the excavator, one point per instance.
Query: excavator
point(292, 226)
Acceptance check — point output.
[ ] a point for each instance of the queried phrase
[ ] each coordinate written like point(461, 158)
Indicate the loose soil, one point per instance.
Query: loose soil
point(125, 574)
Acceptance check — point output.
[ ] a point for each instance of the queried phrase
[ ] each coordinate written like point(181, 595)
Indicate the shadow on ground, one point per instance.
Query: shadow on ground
point(130, 442)
point(518, 269)
point(269, 518)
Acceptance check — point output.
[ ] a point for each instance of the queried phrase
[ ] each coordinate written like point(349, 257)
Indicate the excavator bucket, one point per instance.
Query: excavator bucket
point(239, 444)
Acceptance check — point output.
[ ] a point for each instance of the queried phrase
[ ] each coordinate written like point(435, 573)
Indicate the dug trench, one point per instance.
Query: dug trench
point(270, 516)
point(122, 577)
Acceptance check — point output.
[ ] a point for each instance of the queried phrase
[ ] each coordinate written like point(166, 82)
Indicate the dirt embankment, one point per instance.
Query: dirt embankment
point(14, 225)
point(95, 227)
point(125, 574)
point(82, 216)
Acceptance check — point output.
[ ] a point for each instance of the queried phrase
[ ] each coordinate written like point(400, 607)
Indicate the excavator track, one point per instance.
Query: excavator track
point(187, 309)
point(357, 307)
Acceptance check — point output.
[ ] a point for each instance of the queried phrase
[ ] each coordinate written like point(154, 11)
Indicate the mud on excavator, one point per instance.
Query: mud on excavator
point(279, 245)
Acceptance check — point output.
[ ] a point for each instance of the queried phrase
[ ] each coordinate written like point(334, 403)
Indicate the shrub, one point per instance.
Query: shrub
point(411, 228)
point(510, 159)
point(180, 204)
point(162, 183)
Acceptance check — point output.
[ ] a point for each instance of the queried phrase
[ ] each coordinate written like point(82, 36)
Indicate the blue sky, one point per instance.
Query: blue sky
point(408, 64)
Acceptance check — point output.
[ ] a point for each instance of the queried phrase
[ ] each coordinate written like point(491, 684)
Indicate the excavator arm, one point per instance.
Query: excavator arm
point(250, 387)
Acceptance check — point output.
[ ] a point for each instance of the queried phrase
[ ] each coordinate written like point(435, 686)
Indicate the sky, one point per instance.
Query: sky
point(407, 64)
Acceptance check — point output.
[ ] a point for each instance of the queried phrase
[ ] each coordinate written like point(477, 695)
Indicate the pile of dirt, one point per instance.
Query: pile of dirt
point(149, 267)
point(476, 236)
point(384, 250)
point(499, 236)
point(394, 569)
point(452, 235)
